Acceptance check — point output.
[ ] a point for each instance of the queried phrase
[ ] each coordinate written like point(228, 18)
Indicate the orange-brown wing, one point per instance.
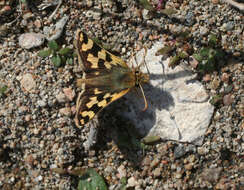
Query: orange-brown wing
point(92, 101)
point(94, 59)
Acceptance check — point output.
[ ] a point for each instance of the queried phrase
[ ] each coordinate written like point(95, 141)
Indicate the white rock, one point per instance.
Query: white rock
point(30, 40)
point(178, 107)
point(55, 31)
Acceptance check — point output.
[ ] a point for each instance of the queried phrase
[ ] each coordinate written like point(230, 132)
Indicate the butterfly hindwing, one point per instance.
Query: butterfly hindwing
point(93, 101)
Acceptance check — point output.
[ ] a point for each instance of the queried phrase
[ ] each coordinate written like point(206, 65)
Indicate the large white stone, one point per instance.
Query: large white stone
point(178, 107)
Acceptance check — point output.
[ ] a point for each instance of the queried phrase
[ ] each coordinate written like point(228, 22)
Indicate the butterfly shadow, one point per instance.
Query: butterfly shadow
point(119, 121)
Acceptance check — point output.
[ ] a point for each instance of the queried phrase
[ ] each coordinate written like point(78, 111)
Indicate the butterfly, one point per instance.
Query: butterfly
point(105, 78)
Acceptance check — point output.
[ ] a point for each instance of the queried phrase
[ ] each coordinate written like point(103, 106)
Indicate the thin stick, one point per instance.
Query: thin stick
point(55, 11)
point(144, 57)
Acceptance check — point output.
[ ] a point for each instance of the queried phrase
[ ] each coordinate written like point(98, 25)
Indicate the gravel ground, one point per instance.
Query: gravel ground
point(37, 129)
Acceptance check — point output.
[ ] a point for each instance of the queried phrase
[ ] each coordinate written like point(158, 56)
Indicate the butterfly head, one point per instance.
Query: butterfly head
point(141, 77)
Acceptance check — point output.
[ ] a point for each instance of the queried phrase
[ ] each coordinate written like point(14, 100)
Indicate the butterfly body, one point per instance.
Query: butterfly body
point(105, 79)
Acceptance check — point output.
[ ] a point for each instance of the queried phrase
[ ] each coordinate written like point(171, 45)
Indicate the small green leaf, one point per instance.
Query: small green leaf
point(213, 40)
point(3, 90)
point(198, 57)
point(146, 5)
point(63, 59)
point(53, 45)
point(164, 51)
point(69, 61)
point(64, 51)
point(56, 60)
point(45, 53)
point(168, 12)
point(174, 61)
point(182, 55)
point(204, 52)
point(97, 41)
point(151, 139)
point(215, 100)
point(123, 182)
point(91, 180)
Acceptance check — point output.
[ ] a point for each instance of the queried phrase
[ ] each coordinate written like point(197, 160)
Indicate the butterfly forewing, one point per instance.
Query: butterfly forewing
point(93, 57)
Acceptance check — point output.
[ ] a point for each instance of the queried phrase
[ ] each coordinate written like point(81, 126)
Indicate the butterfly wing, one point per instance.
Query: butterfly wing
point(106, 78)
point(93, 57)
point(90, 103)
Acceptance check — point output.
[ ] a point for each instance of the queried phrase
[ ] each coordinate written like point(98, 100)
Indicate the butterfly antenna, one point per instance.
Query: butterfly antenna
point(144, 97)
point(144, 57)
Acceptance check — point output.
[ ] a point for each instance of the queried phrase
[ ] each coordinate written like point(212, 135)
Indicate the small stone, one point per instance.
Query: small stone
point(179, 151)
point(178, 175)
point(227, 99)
point(207, 78)
point(215, 83)
point(36, 131)
point(211, 174)
point(24, 138)
point(146, 14)
point(27, 15)
point(23, 109)
point(55, 31)
point(39, 178)
point(193, 62)
point(38, 23)
point(225, 77)
point(189, 166)
point(215, 1)
point(28, 117)
point(69, 93)
point(146, 161)
point(41, 103)
point(73, 109)
point(27, 82)
point(132, 182)
point(204, 30)
point(29, 160)
point(121, 172)
point(202, 150)
point(155, 162)
point(30, 40)
point(157, 172)
point(65, 111)
point(61, 97)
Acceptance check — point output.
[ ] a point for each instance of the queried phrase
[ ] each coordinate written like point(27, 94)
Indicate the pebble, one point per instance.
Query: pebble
point(121, 171)
point(41, 103)
point(179, 151)
point(55, 31)
point(132, 182)
point(65, 111)
point(27, 82)
point(31, 40)
point(228, 99)
point(69, 93)
point(61, 98)
point(157, 172)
